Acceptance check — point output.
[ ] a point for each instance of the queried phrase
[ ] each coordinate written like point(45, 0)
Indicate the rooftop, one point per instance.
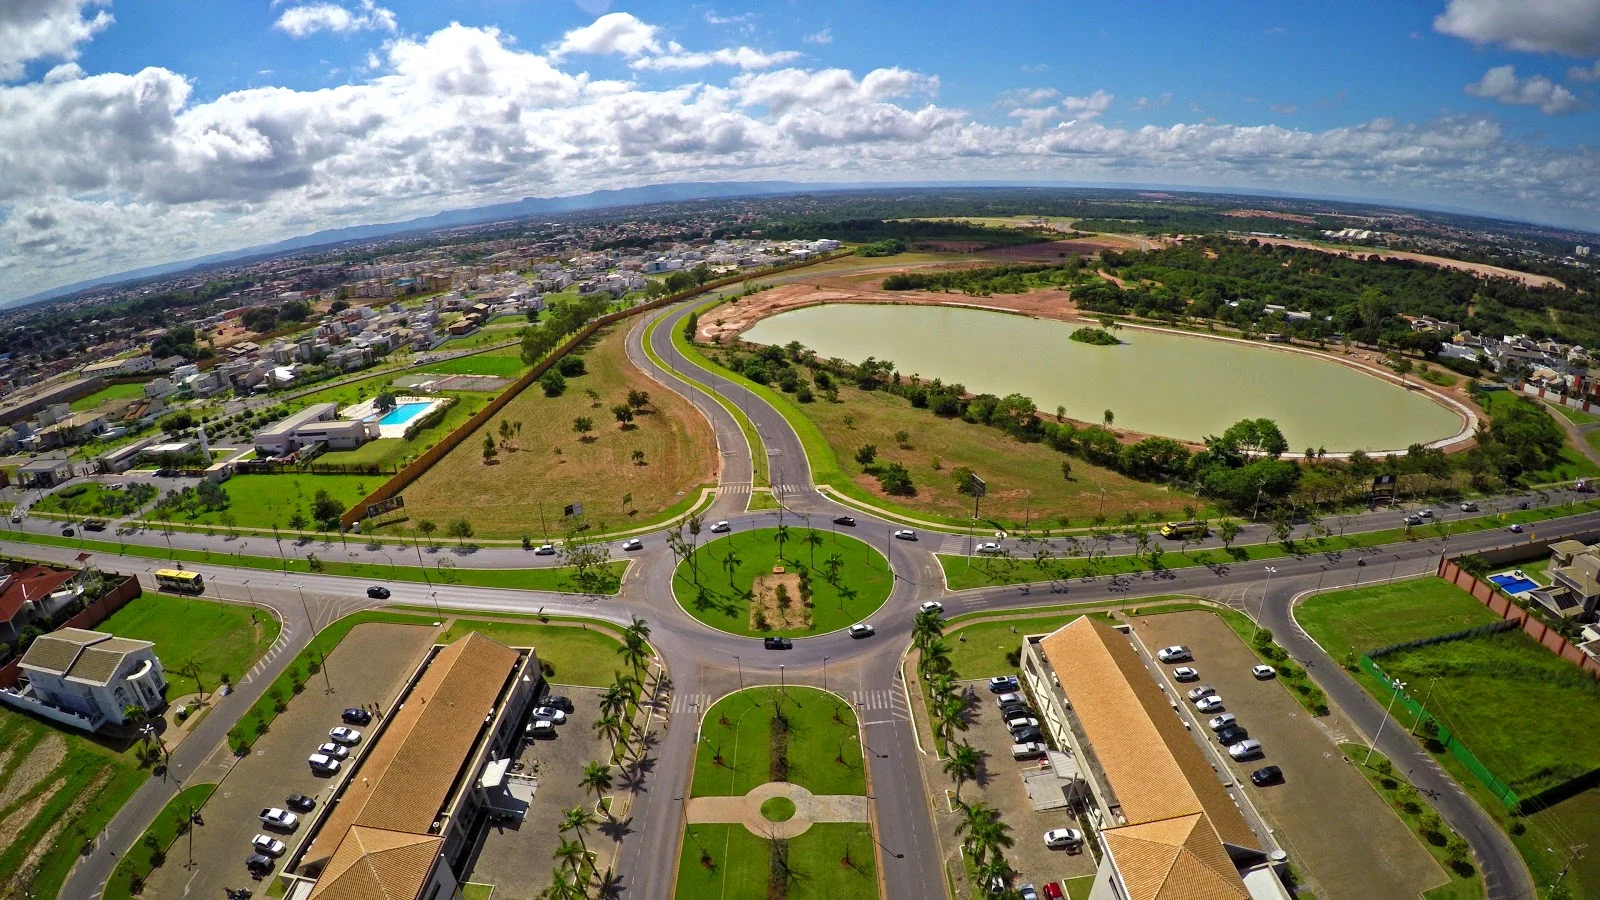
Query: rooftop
point(92, 657)
point(28, 584)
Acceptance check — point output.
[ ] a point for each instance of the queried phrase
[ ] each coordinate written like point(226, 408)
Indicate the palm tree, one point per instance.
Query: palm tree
point(609, 726)
point(935, 658)
point(572, 854)
point(597, 778)
point(813, 540)
point(562, 887)
point(580, 820)
point(731, 563)
point(973, 819)
point(951, 717)
point(135, 716)
point(639, 628)
point(833, 564)
point(962, 766)
point(615, 698)
point(926, 628)
point(633, 652)
point(780, 536)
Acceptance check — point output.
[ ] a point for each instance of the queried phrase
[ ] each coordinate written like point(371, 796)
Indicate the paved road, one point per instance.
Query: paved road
point(704, 664)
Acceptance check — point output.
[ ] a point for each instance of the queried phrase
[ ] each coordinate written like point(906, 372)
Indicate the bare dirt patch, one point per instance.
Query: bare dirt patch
point(731, 319)
point(1058, 251)
point(47, 841)
point(1269, 214)
point(783, 608)
point(1527, 278)
point(950, 246)
point(46, 756)
point(23, 816)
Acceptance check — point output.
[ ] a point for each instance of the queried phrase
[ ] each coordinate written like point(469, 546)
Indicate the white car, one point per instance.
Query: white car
point(1212, 703)
point(337, 751)
point(541, 728)
point(861, 630)
point(932, 606)
point(323, 764)
point(632, 544)
point(266, 843)
point(550, 714)
point(1201, 692)
point(1021, 722)
point(545, 550)
point(988, 547)
point(905, 534)
point(1264, 672)
point(1469, 506)
point(1056, 838)
point(1245, 749)
point(1217, 723)
point(721, 527)
point(1425, 513)
point(345, 735)
point(1005, 700)
point(273, 817)
point(1186, 673)
point(1173, 654)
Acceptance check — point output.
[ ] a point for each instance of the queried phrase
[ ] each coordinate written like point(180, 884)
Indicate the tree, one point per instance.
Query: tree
point(731, 562)
point(460, 529)
point(583, 425)
point(1227, 531)
point(609, 726)
point(572, 854)
point(866, 454)
point(324, 508)
point(505, 431)
point(623, 414)
point(781, 535)
point(384, 402)
point(813, 541)
point(579, 820)
point(638, 399)
point(427, 528)
point(638, 457)
point(1108, 417)
point(490, 451)
point(553, 383)
point(962, 766)
point(298, 521)
point(596, 778)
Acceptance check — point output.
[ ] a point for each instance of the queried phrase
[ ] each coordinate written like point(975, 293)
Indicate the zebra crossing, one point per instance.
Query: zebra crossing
point(881, 702)
point(953, 544)
point(273, 652)
point(741, 488)
point(690, 703)
point(788, 488)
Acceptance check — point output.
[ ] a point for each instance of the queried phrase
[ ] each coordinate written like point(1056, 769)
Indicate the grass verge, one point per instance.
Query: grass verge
point(1465, 881)
point(578, 655)
point(151, 851)
point(822, 747)
point(198, 642)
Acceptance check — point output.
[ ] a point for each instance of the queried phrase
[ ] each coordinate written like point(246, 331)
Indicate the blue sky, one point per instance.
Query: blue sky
point(139, 131)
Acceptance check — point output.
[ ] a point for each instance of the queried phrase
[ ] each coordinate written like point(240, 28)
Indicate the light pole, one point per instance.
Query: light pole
point(1398, 686)
point(825, 673)
point(250, 591)
point(391, 562)
point(741, 671)
point(1261, 607)
point(327, 679)
point(436, 611)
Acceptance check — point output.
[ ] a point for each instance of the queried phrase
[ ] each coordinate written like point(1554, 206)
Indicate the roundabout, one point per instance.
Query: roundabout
point(813, 582)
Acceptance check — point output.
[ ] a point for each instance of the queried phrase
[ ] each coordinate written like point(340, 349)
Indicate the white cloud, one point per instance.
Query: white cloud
point(1157, 102)
point(619, 32)
point(1501, 83)
point(742, 57)
point(740, 19)
point(1092, 105)
point(304, 21)
point(1538, 26)
point(825, 36)
point(45, 30)
point(1586, 74)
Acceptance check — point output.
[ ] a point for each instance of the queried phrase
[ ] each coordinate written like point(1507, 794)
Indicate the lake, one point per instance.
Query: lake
point(1156, 383)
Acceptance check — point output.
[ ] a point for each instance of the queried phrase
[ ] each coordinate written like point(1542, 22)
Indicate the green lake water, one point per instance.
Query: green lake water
point(1167, 384)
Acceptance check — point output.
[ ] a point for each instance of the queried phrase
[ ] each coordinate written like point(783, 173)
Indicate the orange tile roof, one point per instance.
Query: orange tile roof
point(404, 778)
point(1179, 858)
point(374, 864)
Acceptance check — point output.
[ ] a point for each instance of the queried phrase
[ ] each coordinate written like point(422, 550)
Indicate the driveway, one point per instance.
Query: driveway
point(1324, 813)
point(369, 665)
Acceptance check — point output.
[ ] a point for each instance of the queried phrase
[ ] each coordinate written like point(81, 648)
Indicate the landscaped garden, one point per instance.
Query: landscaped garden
point(830, 861)
point(92, 498)
point(828, 581)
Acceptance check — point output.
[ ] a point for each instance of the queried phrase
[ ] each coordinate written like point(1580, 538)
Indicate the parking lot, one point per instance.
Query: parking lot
point(369, 666)
point(1000, 785)
point(1324, 813)
point(517, 857)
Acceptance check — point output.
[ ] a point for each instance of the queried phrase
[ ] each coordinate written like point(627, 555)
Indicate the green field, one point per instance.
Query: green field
point(505, 362)
point(979, 650)
point(264, 501)
point(822, 730)
point(109, 392)
point(719, 598)
point(94, 499)
point(194, 636)
point(139, 861)
point(739, 863)
point(1575, 416)
point(1365, 619)
point(578, 655)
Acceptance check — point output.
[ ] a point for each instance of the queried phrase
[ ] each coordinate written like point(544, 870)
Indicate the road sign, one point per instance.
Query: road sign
point(398, 501)
point(573, 509)
point(977, 485)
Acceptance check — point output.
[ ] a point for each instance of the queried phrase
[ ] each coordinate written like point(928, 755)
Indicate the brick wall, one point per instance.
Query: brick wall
point(1502, 606)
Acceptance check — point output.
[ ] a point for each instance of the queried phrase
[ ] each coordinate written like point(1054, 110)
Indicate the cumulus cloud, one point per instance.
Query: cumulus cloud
point(45, 30)
point(619, 32)
point(741, 57)
point(825, 36)
point(306, 20)
point(1587, 74)
point(1501, 83)
point(1157, 102)
point(1538, 26)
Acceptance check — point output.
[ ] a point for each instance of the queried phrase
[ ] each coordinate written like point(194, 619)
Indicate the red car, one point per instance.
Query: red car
point(1052, 891)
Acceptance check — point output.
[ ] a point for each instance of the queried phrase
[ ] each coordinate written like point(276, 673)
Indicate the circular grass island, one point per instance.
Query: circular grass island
point(828, 581)
point(777, 809)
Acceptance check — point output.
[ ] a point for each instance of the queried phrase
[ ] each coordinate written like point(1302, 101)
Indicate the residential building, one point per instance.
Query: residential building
point(1574, 573)
point(111, 368)
point(89, 679)
point(30, 595)
point(316, 423)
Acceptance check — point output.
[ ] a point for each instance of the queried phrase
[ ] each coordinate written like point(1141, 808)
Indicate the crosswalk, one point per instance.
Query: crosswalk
point(879, 706)
point(742, 488)
point(273, 652)
point(689, 703)
point(953, 544)
point(788, 488)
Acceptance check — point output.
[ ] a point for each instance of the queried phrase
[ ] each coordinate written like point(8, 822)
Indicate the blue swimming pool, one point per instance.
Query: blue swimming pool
point(1513, 584)
point(403, 413)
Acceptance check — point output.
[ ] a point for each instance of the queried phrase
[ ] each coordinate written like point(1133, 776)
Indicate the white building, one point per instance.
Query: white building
point(89, 678)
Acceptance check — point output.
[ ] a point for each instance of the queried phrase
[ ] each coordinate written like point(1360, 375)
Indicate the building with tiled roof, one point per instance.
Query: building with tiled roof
point(399, 826)
point(30, 595)
point(89, 679)
point(1166, 824)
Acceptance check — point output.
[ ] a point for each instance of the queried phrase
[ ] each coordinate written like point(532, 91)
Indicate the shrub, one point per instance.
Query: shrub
point(571, 366)
point(553, 384)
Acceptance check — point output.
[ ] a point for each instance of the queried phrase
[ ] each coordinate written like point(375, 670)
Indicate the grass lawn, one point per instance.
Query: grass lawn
point(140, 860)
point(864, 580)
point(578, 655)
point(740, 863)
point(979, 650)
point(109, 392)
point(1079, 888)
point(506, 362)
point(262, 501)
point(1524, 712)
point(1575, 416)
point(47, 824)
point(91, 498)
point(548, 461)
point(1465, 883)
point(212, 638)
point(1368, 618)
point(822, 729)
point(473, 891)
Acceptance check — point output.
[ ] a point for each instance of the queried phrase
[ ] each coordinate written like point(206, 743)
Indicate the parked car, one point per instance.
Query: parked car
point(378, 592)
point(301, 803)
point(1174, 654)
point(1027, 892)
point(337, 751)
point(1056, 838)
point(1052, 891)
point(95, 524)
point(541, 728)
point(1201, 692)
point(1263, 672)
point(1217, 723)
point(1027, 736)
point(1016, 711)
point(1266, 775)
point(1209, 704)
point(258, 863)
point(1186, 673)
point(267, 844)
point(1469, 506)
point(355, 715)
point(1231, 735)
point(861, 630)
point(322, 764)
point(932, 606)
point(1030, 750)
point(281, 819)
point(345, 735)
point(632, 544)
point(846, 521)
point(550, 714)
point(1008, 699)
point(1001, 684)
point(545, 550)
point(1245, 749)
point(556, 701)
point(1014, 723)
point(778, 643)
point(988, 547)
point(905, 534)
point(721, 527)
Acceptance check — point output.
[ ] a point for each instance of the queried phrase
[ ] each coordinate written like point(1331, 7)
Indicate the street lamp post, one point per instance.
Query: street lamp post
point(326, 678)
point(1397, 685)
point(741, 671)
point(825, 672)
point(1261, 607)
point(436, 610)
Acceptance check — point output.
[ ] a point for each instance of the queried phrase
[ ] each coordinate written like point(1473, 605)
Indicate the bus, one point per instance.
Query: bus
point(179, 580)
point(1183, 529)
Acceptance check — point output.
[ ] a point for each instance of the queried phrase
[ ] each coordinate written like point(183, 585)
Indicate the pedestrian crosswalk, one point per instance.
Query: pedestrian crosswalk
point(953, 544)
point(743, 488)
point(273, 652)
point(690, 703)
point(879, 705)
point(788, 488)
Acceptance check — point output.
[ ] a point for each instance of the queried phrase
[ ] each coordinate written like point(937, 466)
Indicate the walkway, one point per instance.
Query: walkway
point(809, 808)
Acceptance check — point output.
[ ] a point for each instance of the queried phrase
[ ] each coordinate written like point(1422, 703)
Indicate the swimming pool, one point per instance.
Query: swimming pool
point(403, 413)
point(1512, 583)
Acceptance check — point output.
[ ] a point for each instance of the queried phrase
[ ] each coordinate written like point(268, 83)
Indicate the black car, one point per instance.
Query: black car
point(67, 532)
point(356, 716)
point(258, 864)
point(778, 643)
point(1232, 734)
point(300, 803)
point(377, 592)
point(556, 701)
point(1266, 775)
point(1027, 735)
point(844, 520)
point(1012, 710)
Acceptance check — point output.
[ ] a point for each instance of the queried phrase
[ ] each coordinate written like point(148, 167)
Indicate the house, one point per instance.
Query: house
point(30, 595)
point(89, 679)
point(1575, 575)
point(44, 472)
point(314, 424)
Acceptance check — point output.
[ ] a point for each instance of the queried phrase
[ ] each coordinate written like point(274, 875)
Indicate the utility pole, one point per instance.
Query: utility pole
point(741, 672)
point(1397, 685)
point(327, 679)
point(1261, 607)
point(1574, 853)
